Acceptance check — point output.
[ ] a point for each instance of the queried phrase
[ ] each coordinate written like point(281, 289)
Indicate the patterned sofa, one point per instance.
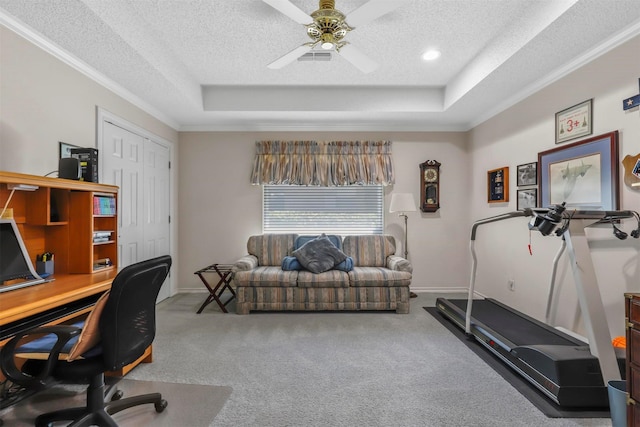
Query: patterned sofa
point(378, 280)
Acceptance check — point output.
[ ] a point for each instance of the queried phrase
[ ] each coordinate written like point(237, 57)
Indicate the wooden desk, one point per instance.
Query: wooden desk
point(29, 302)
point(61, 216)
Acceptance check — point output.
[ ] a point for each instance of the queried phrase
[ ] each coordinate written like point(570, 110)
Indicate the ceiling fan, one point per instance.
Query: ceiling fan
point(327, 28)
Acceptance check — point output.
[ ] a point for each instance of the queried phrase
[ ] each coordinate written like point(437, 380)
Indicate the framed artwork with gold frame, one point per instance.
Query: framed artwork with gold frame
point(498, 185)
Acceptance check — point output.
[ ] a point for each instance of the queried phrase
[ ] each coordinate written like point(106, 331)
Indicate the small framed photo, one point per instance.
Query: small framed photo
point(528, 174)
point(65, 149)
point(575, 121)
point(498, 185)
point(527, 198)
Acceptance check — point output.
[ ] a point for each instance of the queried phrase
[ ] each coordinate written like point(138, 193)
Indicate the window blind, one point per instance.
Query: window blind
point(355, 209)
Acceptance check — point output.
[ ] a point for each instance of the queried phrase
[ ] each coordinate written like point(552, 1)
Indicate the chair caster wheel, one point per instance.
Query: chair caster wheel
point(117, 395)
point(160, 406)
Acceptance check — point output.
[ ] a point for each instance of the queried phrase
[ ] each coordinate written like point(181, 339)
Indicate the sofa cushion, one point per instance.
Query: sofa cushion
point(271, 248)
point(301, 240)
point(291, 263)
point(395, 262)
point(378, 277)
point(247, 262)
point(369, 250)
point(319, 255)
point(328, 279)
point(266, 276)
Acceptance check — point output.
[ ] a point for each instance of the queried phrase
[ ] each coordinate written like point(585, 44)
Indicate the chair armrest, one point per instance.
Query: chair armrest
point(247, 262)
point(395, 262)
point(7, 355)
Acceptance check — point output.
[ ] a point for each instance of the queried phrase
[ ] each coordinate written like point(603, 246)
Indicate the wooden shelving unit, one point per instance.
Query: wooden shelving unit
point(86, 221)
point(58, 217)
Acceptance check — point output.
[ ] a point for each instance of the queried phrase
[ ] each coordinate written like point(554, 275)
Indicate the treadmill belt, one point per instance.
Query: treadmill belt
point(517, 329)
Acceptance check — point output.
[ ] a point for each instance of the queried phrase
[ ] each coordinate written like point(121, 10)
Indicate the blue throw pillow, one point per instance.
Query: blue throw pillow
point(346, 265)
point(319, 255)
point(291, 263)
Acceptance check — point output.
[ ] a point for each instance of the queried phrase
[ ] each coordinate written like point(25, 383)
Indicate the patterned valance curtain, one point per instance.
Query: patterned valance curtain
point(326, 164)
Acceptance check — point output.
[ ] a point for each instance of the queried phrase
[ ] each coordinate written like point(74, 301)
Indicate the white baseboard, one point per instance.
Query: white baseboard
point(439, 290)
point(192, 291)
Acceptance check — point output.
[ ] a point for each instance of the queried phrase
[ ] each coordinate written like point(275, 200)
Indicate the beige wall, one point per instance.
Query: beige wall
point(219, 209)
point(515, 137)
point(44, 101)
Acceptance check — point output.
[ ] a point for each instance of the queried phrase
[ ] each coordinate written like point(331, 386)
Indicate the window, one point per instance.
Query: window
point(356, 209)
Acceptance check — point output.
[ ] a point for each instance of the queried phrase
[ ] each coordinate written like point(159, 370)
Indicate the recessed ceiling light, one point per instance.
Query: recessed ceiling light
point(430, 55)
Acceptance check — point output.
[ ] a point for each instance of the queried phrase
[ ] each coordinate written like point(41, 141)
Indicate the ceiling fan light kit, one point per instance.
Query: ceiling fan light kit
point(327, 28)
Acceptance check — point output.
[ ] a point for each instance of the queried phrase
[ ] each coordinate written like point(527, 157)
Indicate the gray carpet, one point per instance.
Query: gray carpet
point(336, 369)
point(333, 369)
point(535, 396)
point(189, 405)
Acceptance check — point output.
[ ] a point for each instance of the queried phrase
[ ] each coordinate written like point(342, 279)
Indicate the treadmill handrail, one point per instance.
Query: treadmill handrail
point(515, 214)
point(575, 214)
point(474, 258)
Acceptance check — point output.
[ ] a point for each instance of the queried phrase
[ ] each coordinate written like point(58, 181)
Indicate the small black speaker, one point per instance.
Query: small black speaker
point(69, 168)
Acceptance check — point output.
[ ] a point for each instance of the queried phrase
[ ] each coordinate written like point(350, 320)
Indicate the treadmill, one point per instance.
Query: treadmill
point(567, 370)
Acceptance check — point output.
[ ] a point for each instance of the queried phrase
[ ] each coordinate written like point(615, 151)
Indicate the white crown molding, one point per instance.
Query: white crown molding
point(623, 36)
point(321, 127)
point(43, 43)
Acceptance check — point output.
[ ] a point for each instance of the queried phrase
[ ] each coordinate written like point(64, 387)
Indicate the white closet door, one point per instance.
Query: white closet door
point(122, 165)
point(156, 204)
point(132, 160)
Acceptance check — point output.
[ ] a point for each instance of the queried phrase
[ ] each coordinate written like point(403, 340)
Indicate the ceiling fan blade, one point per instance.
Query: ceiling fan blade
point(291, 10)
point(289, 57)
point(372, 10)
point(357, 58)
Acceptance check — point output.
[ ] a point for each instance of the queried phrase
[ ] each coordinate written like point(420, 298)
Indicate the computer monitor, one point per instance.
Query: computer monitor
point(16, 268)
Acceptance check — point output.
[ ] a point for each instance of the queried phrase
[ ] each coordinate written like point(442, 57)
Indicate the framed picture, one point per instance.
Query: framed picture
point(65, 149)
point(527, 174)
point(574, 122)
point(498, 185)
point(583, 174)
point(527, 198)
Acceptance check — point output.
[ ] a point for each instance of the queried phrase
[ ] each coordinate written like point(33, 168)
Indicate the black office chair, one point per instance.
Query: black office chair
point(127, 328)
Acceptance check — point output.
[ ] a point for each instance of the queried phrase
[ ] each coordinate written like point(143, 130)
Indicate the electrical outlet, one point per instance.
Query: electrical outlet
point(512, 284)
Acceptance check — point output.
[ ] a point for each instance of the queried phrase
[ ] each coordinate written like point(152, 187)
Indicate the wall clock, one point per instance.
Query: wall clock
point(429, 186)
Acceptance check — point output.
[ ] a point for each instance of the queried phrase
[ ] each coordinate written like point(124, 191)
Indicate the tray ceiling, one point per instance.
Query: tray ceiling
point(202, 65)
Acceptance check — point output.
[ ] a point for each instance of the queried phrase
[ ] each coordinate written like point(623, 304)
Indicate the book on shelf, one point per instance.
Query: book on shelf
point(102, 263)
point(104, 205)
point(102, 236)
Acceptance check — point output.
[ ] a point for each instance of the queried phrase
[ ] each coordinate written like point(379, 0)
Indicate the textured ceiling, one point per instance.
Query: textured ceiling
point(202, 64)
